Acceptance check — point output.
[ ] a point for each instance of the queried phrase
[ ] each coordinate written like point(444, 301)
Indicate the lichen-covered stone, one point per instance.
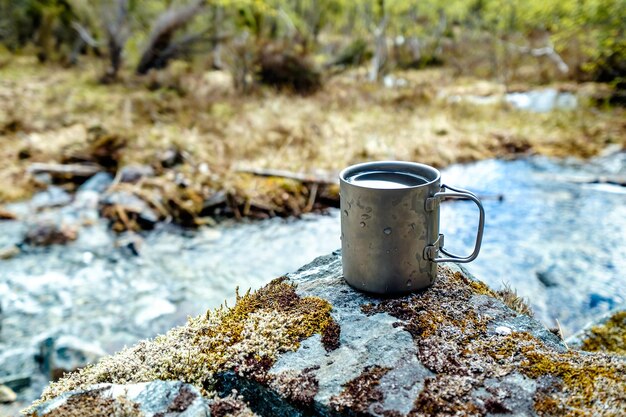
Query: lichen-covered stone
point(457, 348)
point(308, 344)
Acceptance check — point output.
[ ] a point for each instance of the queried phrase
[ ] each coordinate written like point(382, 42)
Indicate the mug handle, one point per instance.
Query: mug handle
point(433, 203)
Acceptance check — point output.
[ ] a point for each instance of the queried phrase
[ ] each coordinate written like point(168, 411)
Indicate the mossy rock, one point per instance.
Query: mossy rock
point(606, 334)
point(309, 345)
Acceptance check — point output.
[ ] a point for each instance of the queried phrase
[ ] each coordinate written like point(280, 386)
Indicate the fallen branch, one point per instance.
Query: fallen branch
point(297, 176)
point(547, 51)
point(75, 170)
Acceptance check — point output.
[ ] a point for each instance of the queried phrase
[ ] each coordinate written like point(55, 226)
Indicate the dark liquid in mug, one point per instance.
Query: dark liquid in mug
point(386, 179)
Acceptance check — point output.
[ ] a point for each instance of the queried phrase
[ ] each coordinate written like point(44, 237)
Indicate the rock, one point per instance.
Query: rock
point(19, 372)
point(308, 344)
point(48, 233)
point(16, 382)
point(53, 196)
point(133, 173)
point(9, 252)
point(7, 395)
point(606, 334)
point(548, 278)
point(156, 398)
point(99, 183)
point(6, 214)
point(66, 354)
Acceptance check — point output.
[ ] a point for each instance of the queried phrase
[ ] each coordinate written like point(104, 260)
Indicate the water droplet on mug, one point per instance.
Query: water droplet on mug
point(345, 212)
point(388, 251)
point(362, 224)
point(368, 209)
point(365, 216)
point(408, 283)
point(387, 230)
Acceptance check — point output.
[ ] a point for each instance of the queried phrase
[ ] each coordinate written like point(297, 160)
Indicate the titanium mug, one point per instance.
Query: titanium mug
point(390, 240)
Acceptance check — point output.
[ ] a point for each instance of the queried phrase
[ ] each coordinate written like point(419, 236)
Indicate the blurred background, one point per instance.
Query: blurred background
point(158, 154)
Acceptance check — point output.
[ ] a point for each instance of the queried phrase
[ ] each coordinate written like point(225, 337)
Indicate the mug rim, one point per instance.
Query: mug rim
point(374, 164)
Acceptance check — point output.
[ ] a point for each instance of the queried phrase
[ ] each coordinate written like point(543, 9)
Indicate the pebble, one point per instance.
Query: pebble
point(503, 330)
point(98, 183)
point(9, 252)
point(133, 173)
point(7, 395)
point(87, 257)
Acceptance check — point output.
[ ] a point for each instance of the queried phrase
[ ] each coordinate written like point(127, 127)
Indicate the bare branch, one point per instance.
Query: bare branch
point(545, 51)
point(84, 34)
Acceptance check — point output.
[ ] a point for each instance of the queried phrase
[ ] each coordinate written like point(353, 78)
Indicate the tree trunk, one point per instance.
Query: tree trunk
point(380, 50)
point(218, 16)
point(159, 47)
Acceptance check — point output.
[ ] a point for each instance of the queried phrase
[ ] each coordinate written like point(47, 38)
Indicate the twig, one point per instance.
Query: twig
point(77, 170)
point(558, 326)
point(312, 196)
point(121, 214)
point(307, 178)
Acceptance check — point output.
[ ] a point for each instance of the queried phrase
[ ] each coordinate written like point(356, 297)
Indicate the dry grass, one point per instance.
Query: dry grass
point(46, 113)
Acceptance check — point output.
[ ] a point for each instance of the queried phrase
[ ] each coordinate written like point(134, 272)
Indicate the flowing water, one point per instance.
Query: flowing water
point(557, 241)
point(537, 101)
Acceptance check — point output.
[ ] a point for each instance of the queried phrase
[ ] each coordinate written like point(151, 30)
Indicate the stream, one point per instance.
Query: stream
point(559, 242)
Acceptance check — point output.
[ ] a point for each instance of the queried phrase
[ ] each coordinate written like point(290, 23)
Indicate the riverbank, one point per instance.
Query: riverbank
point(189, 142)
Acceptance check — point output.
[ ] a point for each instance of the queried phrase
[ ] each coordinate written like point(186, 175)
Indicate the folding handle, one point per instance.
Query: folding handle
point(465, 195)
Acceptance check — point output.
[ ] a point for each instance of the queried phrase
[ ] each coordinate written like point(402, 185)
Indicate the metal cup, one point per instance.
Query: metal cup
point(390, 238)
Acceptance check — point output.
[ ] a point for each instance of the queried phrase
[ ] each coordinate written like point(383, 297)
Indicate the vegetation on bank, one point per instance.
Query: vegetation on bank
point(204, 141)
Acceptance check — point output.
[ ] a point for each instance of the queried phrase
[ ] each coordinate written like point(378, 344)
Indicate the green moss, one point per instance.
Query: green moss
point(584, 381)
point(245, 338)
point(609, 336)
point(445, 305)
